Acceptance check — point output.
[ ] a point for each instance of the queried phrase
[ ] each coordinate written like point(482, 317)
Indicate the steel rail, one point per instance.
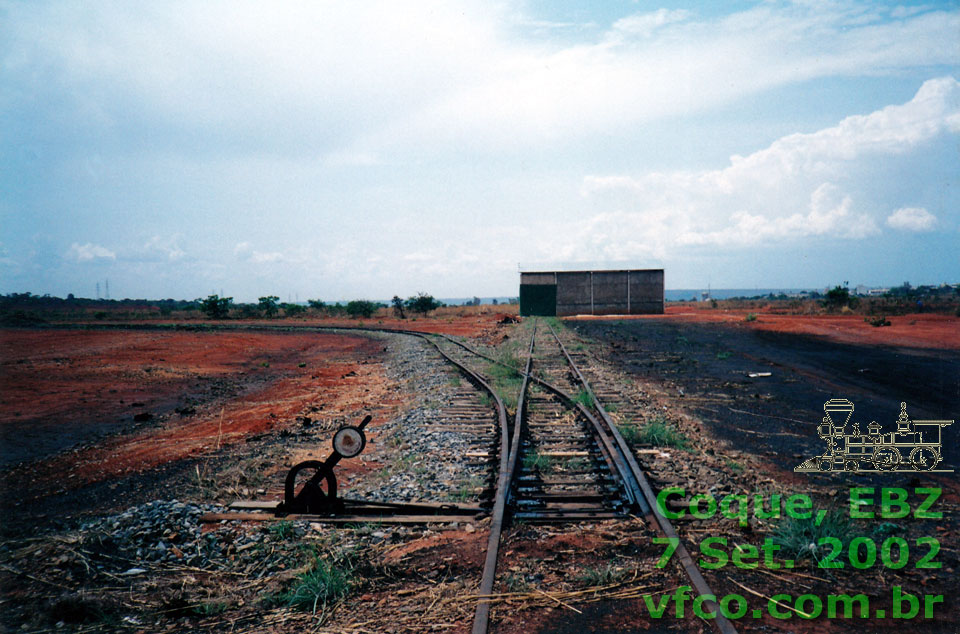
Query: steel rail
point(481, 618)
point(646, 498)
point(652, 512)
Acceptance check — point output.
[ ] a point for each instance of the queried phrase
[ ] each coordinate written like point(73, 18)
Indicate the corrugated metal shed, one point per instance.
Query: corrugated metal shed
point(561, 293)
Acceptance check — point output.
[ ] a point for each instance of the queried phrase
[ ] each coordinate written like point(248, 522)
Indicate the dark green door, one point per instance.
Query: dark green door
point(538, 299)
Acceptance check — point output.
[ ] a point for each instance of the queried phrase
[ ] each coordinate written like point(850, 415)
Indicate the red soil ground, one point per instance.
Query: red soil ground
point(920, 330)
point(70, 387)
point(69, 397)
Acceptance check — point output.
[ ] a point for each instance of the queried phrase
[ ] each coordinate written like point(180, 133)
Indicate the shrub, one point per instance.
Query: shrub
point(268, 305)
point(316, 304)
point(750, 317)
point(837, 297)
point(361, 308)
point(292, 310)
point(423, 303)
point(215, 307)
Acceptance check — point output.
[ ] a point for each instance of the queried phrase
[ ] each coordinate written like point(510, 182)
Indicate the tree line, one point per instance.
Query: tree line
point(269, 306)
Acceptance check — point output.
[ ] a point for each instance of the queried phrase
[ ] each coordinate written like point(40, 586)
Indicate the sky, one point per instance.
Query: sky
point(341, 150)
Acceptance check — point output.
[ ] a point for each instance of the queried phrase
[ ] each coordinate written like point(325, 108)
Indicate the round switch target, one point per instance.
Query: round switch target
point(349, 441)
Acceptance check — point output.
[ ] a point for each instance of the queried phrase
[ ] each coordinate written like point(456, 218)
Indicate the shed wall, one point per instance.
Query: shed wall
point(593, 292)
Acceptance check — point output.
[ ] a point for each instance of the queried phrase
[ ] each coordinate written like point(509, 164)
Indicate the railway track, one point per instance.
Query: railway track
point(568, 461)
point(561, 460)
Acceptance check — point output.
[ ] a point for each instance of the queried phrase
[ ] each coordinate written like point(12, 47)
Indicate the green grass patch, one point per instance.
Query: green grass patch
point(750, 317)
point(576, 463)
point(536, 460)
point(210, 608)
point(602, 575)
point(662, 433)
point(282, 531)
point(516, 583)
point(723, 356)
point(320, 585)
point(583, 397)
point(734, 466)
point(799, 538)
point(630, 433)
point(504, 376)
point(554, 322)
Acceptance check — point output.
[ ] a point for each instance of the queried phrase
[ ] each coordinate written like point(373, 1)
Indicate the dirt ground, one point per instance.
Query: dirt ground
point(696, 367)
point(919, 330)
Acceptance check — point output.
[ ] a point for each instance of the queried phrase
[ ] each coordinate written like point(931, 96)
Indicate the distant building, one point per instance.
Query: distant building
point(561, 293)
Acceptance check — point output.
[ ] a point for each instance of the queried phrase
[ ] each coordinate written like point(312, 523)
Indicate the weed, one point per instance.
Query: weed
point(583, 397)
point(486, 400)
point(661, 433)
point(211, 608)
point(611, 408)
point(301, 365)
point(750, 317)
point(322, 583)
point(506, 381)
point(887, 528)
point(630, 433)
point(723, 356)
point(282, 531)
point(877, 322)
point(468, 489)
point(681, 340)
point(800, 537)
point(602, 576)
point(516, 583)
point(536, 460)
point(553, 322)
point(734, 466)
point(265, 364)
point(577, 463)
point(454, 380)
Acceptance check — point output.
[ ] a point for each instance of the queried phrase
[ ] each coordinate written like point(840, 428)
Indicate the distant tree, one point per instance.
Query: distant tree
point(423, 303)
point(268, 305)
point(316, 303)
point(361, 308)
point(494, 301)
point(292, 310)
point(215, 307)
point(398, 307)
point(475, 302)
point(837, 297)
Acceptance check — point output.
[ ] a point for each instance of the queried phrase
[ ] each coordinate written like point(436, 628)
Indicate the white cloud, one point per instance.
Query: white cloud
point(358, 81)
point(167, 248)
point(644, 24)
point(245, 252)
point(912, 219)
point(802, 185)
point(89, 252)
